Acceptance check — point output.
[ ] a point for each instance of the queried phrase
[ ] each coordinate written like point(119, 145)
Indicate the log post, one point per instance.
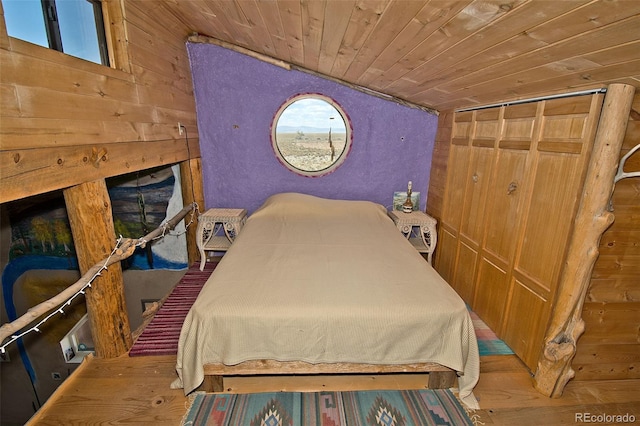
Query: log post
point(89, 210)
point(192, 192)
point(592, 219)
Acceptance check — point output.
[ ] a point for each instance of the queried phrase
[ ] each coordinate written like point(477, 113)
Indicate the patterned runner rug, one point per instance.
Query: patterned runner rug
point(160, 336)
point(387, 408)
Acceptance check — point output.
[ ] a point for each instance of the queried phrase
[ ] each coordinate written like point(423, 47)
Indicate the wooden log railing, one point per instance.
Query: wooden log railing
point(123, 250)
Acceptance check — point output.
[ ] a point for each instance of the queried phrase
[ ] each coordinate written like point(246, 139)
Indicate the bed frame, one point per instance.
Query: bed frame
point(440, 377)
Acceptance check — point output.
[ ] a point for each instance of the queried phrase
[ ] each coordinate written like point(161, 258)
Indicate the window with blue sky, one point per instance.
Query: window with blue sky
point(74, 27)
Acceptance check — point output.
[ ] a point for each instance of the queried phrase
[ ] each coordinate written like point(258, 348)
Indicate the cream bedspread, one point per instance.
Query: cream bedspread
point(317, 280)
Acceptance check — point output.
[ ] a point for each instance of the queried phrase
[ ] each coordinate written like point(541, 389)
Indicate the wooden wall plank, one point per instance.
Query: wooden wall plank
point(31, 171)
point(618, 289)
point(9, 103)
point(63, 77)
point(49, 56)
point(614, 361)
point(611, 323)
point(20, 132)
point(36, 102)
point(58, 111)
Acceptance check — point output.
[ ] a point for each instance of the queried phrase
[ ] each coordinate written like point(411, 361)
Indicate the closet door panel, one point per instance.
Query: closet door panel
point(483, 139)
point(565, 139)
point(509, 183)
point(473, 211)
point(549, 217)
point(465, 271)
point(456, 183)
point(526, 323)
point(492, 289)
point(458, 167)
point(503, 215)
point(447, 250)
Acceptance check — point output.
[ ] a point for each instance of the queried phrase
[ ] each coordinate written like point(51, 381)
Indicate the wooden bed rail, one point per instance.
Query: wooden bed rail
point(440, 377)
point(124, 249)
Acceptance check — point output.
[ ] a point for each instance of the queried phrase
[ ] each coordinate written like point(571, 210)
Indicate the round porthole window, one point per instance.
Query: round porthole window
point(311, 134)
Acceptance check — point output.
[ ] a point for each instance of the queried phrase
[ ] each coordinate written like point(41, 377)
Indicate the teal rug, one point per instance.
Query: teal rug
point(385, 408)
point(488, 342)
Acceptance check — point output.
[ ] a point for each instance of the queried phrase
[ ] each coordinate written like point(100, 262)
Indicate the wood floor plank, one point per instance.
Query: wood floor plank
point(137, 390)
point(556, 415)
point(118, 390)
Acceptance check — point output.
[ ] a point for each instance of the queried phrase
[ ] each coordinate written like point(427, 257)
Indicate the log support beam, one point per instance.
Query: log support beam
point(89, 210)
point(592, 219)
point(192, 192)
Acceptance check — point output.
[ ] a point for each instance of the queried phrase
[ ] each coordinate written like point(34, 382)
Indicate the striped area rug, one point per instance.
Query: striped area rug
point(160, 336)
point(398, 408)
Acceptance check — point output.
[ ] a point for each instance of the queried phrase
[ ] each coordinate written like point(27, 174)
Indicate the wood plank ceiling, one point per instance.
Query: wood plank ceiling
point(439, 54)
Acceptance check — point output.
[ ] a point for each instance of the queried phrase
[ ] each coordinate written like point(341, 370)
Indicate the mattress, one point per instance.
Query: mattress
point(326, 281)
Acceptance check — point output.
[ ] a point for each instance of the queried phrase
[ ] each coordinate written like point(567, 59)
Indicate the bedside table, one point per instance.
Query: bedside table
point(209, 225)
point(427, 237)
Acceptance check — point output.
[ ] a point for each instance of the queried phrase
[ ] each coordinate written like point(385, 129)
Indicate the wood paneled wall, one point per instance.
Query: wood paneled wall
point(610, 345)
point(66, 121)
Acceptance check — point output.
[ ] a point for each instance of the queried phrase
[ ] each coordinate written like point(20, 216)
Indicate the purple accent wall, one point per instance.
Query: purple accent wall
point(236, 99)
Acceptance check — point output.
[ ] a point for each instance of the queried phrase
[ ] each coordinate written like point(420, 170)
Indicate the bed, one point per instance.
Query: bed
point(314, 285)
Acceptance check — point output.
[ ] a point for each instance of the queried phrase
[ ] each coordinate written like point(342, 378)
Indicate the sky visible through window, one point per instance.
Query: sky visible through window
point(311, 113)
point(25, 20)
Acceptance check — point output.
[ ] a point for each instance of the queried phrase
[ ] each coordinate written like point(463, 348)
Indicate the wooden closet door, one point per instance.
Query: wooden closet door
point(446, 262)
point(484, 135)
point(471, 160)
point(515, 178)
point(567, 129)
point(508, 189)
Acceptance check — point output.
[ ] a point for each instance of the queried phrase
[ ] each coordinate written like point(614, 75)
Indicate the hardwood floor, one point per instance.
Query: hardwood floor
point(136, 391)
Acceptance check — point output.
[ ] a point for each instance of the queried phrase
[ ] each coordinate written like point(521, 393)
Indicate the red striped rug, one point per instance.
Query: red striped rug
point(160, 336)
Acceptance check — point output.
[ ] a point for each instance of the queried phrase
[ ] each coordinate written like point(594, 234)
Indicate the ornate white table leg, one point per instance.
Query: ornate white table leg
point(429, 238)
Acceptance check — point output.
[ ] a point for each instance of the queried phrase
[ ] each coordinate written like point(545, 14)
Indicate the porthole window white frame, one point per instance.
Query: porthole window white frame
point(328, 147)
